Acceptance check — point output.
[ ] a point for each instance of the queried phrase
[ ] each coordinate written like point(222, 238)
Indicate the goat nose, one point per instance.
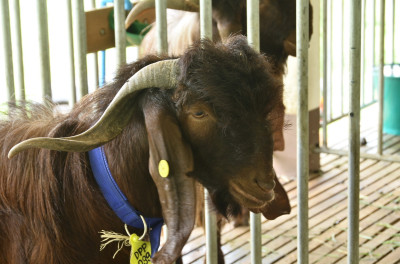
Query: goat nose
point(266, 185)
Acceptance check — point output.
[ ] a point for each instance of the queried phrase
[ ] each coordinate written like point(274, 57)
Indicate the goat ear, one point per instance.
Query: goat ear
point(280, 205)
point(176, 190)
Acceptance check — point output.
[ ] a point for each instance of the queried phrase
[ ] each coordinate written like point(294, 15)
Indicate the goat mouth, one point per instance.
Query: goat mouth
point(251, 197)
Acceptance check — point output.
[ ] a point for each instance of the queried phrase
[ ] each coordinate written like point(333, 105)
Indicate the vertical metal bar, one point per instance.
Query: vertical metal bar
point(255, 235)
point(363, 8)
point(205, 19)
point(210, 216)
point(330, 100)
point(325, 74)
point(373, 46)
point(341, 61)
point(394, 31)
point(120, 33)
point(381, 86)
point(253, 34)
point(43, 51)
point(7, 50)
point(80, 47)
point(161, 23)
point(211, 231)
point(70, 53)
point(94, 55)
point(354, 132)
point(18, 55)
point(302, 36)
point(253, 23)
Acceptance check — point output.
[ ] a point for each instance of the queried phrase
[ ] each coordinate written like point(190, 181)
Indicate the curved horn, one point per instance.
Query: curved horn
point(185, 5)
point(162, 74)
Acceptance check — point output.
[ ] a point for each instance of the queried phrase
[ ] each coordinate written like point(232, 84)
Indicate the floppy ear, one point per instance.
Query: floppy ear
point(280, 205)
point(176, 190)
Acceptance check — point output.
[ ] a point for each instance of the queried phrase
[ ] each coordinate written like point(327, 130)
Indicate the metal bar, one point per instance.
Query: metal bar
point(18, 55)
point(354, 132)
point(70, 54)
point(393, 30)
point(210, 215)
point(325, 74)
point(341, 60)
point(330, 97)
point(253, 34)
point(206, 19)
point(253, 24)
point(95, 55)
point(373, 45)
point(363, 17)
point(302, 36)
point(120, 33)
point(211, 231)
point(161, 23)
point(389, 158)
point(381, 76)
point(80, 47)
point(44, 56)
point(7, 50)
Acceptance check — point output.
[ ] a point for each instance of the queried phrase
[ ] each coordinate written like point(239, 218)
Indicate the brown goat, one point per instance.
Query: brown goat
point(210, 126)
point(277, 39)
point(277, 34)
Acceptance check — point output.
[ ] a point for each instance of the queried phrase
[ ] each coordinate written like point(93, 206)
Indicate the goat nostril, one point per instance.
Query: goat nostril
point(266, 185)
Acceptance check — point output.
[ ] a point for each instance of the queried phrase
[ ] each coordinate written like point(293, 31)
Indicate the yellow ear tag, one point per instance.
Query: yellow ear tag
point(163, 168)
point(140, 250)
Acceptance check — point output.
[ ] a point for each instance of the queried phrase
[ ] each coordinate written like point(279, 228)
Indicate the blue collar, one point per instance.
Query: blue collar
point(117, 200)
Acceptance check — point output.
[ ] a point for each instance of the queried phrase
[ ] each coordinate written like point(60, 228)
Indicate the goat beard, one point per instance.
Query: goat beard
point(224, 203)
point(221, 199)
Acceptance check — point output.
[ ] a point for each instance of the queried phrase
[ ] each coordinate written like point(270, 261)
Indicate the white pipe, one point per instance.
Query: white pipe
point(80, 47)
point(381, 76)
point(7, 51)
point(253, 34)
point(44, 54)
point(325, 74)
point(18, 54)
point(210, 216)
point(302, 38)
point(70, 54)
point(354, 132)
point(120, 33)
point(95, 55)
point(161, 22)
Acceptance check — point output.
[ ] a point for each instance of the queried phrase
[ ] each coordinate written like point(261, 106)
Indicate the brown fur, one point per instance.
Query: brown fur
point(51, 209)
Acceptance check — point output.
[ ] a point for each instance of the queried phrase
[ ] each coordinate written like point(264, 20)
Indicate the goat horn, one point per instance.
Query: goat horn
point(140, 6)
point(162, 74)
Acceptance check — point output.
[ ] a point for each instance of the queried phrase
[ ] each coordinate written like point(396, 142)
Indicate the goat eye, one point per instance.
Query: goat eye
point(199, 114)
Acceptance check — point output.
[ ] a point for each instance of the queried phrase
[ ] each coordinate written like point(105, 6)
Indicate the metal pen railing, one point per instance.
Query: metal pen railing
point(368, 92)
point(7, 50)
point(253, 35)
point(358, 54)
point(302, 36)
point(79, 27)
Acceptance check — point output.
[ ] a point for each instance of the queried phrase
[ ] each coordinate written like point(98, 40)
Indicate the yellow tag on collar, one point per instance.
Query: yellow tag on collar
point(140, 250)
point(163, 168)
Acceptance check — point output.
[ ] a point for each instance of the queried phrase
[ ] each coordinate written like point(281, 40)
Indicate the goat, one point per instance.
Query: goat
point(277, 33)
point(204, 113)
